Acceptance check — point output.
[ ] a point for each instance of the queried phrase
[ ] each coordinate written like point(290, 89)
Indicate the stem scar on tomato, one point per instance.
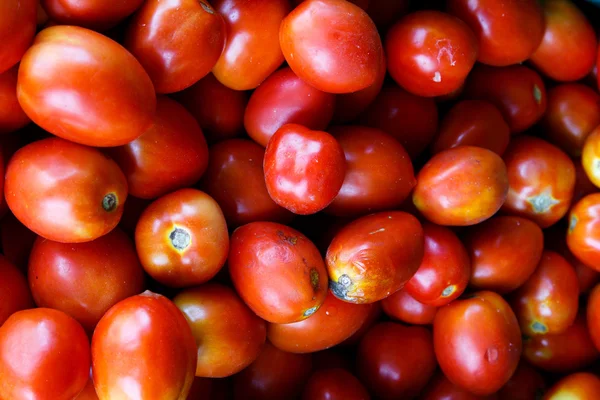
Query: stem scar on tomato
point(109, 202)
point(180, 238)
point(538, 327)
point(448, 291)
point(543, 202)
point(340, 288)
point(572, 223)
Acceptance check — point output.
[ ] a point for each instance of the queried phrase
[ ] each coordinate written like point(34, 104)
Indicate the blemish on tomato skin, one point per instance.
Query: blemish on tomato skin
point(340, 289)
point(314, 279)
point(293, 240)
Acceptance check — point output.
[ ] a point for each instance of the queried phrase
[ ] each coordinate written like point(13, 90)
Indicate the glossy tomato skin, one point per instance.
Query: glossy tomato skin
point(91, 14)
point(182, 239)
point(14, 291)
point(12, 116)
point(593, 316)
point(405, 308)
point(374, 256)
point(171, 155)
point(56, 350)
point(17, 29)
point(541, 178)
point(335, 383)
point(64, 191)
point(98, 112)
point(525, 384)
point(277, 271)
point(580, 385)
point(162, 361)
point(590, 157)
point(477, 342)
point(584, 229)
point(461, 186)
point(430, 53)
point(252, 51)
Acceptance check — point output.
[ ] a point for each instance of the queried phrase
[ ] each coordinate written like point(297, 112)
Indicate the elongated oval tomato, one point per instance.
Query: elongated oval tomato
point(93, 14)
point(17, 28)
point(85, 87)
point(12, 116)
point(14, 291)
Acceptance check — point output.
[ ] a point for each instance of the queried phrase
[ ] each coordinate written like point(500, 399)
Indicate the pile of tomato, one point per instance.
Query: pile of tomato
point(319, 199)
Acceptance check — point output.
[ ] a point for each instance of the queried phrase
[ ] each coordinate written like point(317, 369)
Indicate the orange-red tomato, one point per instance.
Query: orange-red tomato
point(14, 291)
point(580, 386)
point(590, 157)
point(405, 308)
point(525, 384)
point(89, 13)
point(593, 316)
point(334, 383)
point(18, 20)
point(584, 230)
point(12, 116)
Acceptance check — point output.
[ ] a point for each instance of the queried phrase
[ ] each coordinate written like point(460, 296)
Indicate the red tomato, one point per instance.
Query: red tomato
point(17, 28)
point(440, 388)
point(580, 386)
point(143, 343)
point(525, 384)
point(64, 191)
point(405, 308)
point(16, 241)
point(584, 230)
point(182, 238)
point(396, 361)
point(88, 392)
point(89, 13)
point(374, 256)
point(461, 186)
point(593, 316)
point(332, 45)
point(44, 354)
point(334, 383)
point(12, 116)
point(92, 91)
point(477, 342)
point(14, 291)
point(590, 157)
point(583, 184)
point(430, 53)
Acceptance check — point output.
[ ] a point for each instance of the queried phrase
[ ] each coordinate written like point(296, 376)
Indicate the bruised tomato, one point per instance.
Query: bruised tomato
point(14, 291)
point(405, 308)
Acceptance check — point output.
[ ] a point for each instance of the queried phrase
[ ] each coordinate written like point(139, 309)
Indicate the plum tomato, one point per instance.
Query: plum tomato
point(18, 23)
point(374, 256)
point(477, 342)
point(334, 383)
point(14, 290)
point(332, 45)
point(12, 116)
point(277, 271)
point(525, 384)
point(593, 315)
point(461, 186)
point(590, 157)
point(82, 86)
point(405, 308)
point(64, 191)
point(580, 386)
point(93, 14)
point(584, 230)
point(182, 238)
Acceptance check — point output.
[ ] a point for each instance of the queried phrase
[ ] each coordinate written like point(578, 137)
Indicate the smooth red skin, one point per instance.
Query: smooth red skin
point(44, 354)
point(56, 189)
point(590, 157)
point(235, 179)
point(100, 274)
point(541, 178)
point(17, 29)
point(225, 345)
point(252, 50)
point(477, 342)
point(461, 186)
point(334, 322)
point(405, 308)
point(16, 241)
point(473, 123)
point(284, 98)
point(508, 31)
point(171, 155)
point(277, 271)
point(430, 53)
point(593, 316)
point(14, 290)
point(201, 217)
point(274, 375)
point(82, 86)
point(517, 91)
point(93, 14)
point(440, 388)
point(177, 42)
point(373, 317)
point(379, 172)
point(504, 252)
point(12, 116)
point(334, 383)
point(411, 119)
point(304, 169)
point(525, 384)
point(396, 361)
point(584, 228)
point(580, 385)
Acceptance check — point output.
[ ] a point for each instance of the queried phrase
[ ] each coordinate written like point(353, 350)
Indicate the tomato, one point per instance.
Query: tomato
point(405, 308)
point(580, 386)
point(411, 119)
point(473, 123)
point(172, 154)
point(525, 384)
point(84, 87)
point(541, 178)
point(90, 13)
point(334, 322)
point(567, 31)
point(396, 361)
point(88, 392)
point(379, 172)
point(517, 91)
point(477, 342)
point(334, 383)
point(504, 252)
point(430, 53)
point(573, 112)
point(304, 169)
point(593, 315)
point(14, 291)
point(584, 229)
point(508, 31)
point(252, 51)
point(590, 157)
point(440, 388)
point(64, 191)
point(332, 45)
point(16, 241)
point(372, 319)
point(44, 354)
point(17, 29)
point(143, 342)
point(12, 116)
point(461, 186)
point(277, 271)
point(374, 256)
point(182, 238)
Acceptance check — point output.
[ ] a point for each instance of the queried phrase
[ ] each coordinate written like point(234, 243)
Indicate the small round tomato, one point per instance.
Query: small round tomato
point(182, 238)
point(440, 388)
point(580, 386)
point(91, 91)
point(225, 345)
point(405, 308)
point(92, 14)
point(64, 191)
point(44, 354)
point(584, 230)
point(525, 384)
point(593, 315)
point(335, 383)
point(396, 361)
point(477, 342)
point(277, 271)
point(12, 116)
point(541, 178)
point(430, 53)
point(16, 241)
point(332, 45)
point(14, 291)
point(374, 256)
point(461, 186)
point(17, 29)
